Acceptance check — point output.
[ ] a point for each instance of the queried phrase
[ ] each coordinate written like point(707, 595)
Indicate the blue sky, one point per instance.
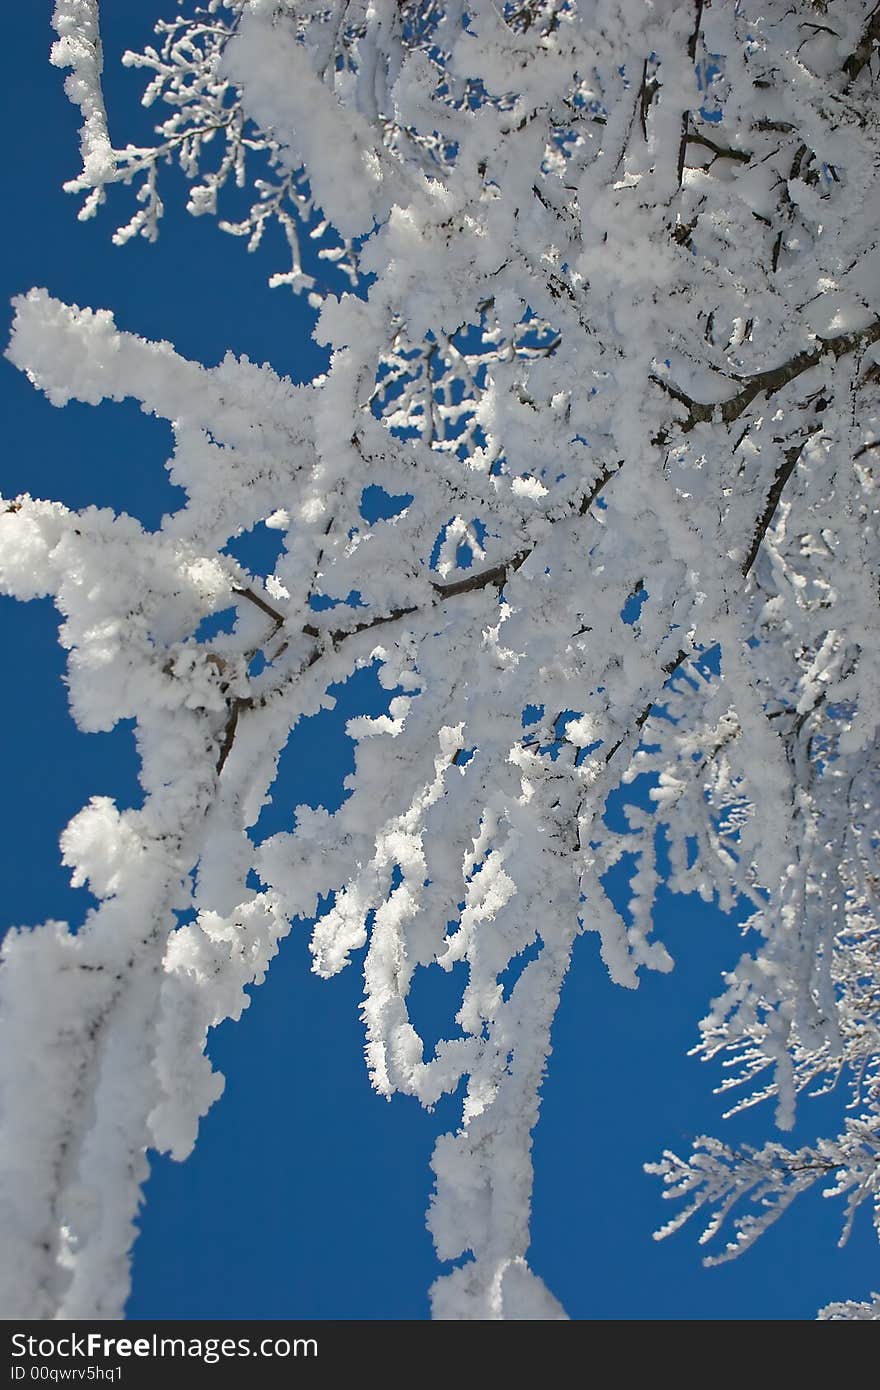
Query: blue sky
point(306, 1194)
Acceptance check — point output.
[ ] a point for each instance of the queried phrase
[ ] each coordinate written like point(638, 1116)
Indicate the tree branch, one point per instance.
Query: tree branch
point(686, 115)
point(342, 633)
point(862, 55)
point(238, 704)
point(871, 444)
point(720, 151)
point(494, 577)
point(277, 618)
point(641, 720)
point(770, 381)
point(781, 477)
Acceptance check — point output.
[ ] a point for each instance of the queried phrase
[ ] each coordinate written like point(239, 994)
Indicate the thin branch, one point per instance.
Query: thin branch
point(238, 704)
point(647, 92)
point(862, 55)
point(342, 633)
point(781, 477)
point(871, 444)
point(496, 576)
point(598, 487)
point(686, 115)
point(277, 618)
point(720, 151)
point(770, 381)
point(641, 720)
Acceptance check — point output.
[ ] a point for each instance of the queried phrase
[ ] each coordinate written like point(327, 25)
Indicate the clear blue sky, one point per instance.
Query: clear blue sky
point(306, 1194)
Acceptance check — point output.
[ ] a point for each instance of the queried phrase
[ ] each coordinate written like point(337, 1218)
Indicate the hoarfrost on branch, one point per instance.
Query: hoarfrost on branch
point(601, 287)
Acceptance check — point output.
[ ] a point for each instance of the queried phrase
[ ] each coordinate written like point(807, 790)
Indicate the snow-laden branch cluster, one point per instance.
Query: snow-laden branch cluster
point(613, 345)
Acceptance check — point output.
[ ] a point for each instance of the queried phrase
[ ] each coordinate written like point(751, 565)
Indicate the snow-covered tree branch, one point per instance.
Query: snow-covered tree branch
point(602, 298)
